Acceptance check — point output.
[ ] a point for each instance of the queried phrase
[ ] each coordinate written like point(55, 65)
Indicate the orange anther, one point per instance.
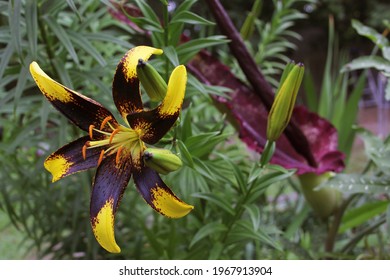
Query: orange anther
point(106, 120)
point(118, 154)
point(113, 134)
point(91, 127)
point(100, 157)
point(84, 151)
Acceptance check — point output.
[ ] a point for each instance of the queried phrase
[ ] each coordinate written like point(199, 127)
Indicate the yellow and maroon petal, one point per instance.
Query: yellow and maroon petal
point(158, 195)
point(154, 124)
point(79, 109)
point(110, 182)
point(126, 87)
point(70, 159)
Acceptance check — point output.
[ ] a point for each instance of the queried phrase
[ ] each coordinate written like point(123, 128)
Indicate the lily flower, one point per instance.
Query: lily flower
point(115, 149)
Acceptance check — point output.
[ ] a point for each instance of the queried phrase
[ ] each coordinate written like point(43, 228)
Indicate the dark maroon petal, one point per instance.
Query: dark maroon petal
point(69, 159)
point(126, 86)
point(79, 109)
point(110, 182)
point(154, 126)
point(158, 195)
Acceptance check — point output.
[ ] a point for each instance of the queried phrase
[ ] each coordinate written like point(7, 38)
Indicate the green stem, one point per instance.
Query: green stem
point(256, 78)
point(239, 210)
point(334, 228)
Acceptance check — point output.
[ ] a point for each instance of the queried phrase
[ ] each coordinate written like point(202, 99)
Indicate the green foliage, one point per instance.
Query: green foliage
point(272, 39)
point(338, 99)
point(242, 210)
point(380, 63)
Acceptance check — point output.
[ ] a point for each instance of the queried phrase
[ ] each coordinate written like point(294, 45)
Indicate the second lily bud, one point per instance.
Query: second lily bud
point(281, 110)
point(153, 83)
point(161, 160)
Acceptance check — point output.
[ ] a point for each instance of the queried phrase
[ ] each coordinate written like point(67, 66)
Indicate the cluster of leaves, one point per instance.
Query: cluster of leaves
point(237, 214)
point(359, 223)
point(340, 93)
point(270, 40)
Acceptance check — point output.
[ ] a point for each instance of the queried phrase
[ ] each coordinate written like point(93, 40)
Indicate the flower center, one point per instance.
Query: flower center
point(116, 139)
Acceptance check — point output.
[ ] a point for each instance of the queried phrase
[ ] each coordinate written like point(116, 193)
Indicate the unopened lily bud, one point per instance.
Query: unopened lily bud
point(281, 110)
point(324, 201)
point(161, 160)
point(153, 83)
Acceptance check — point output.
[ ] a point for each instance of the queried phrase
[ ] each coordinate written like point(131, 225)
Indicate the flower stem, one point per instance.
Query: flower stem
point(257, 80)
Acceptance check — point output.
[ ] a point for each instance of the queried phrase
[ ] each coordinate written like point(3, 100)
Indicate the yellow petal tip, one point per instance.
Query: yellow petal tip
point(169, 205)
point(103, 228)
point(58, 166)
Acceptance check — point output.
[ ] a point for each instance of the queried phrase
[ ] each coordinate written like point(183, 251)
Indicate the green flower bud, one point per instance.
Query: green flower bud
point(153, 83)
point(324, 201)
point(161, 160)
point(281, 110)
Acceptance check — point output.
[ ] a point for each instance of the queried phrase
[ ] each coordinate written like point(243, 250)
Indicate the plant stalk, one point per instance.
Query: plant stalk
point(257, 80)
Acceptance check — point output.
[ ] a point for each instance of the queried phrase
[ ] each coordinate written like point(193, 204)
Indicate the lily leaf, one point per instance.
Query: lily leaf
point(365, 62)
point(356, 183)
point(360, 215)
point(207, 230)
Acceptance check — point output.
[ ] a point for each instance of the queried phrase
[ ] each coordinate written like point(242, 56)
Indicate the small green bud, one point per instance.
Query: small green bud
point(324, 201)
point(153, 83)
point(161, 160)
point(281, 110)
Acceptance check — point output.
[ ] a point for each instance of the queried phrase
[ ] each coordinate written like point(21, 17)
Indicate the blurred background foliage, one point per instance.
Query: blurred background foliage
point(241, 211)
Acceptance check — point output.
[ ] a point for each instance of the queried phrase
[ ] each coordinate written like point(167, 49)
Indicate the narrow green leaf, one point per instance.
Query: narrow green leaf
point(170, 52)
point(190, 18)
point(32, 27)
point(356, 183)
point(186, 125)
point(360, 215)
point(80, 40)
point(21, 84)
point(311, 96)
point(297, 222)
point(147, 11)
point(63, 37)
point(219, 201)
point(324, 106)
point(240, 181)
point(254, 213)
point(14, 12)
point(207, 230)
point(185, 6)
point(74, 8)
point(370, 33)
point(203, 144)
point(5, 58)
point(188, 50)
point(365, 62)
point(185, 154)
point(106, 37)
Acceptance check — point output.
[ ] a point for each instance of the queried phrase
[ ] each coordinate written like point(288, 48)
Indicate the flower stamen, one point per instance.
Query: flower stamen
point(100, 157)
point(84, 151)
point(113, 134)
point(105, 121)
point(118, 153)
point(90, 129)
